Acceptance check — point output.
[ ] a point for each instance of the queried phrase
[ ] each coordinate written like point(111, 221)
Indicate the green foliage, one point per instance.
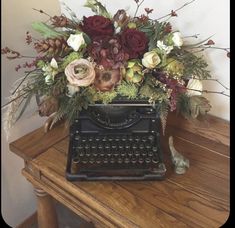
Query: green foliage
point(194, 66)
point(105, 97)
point(182, 105)
point(69, 58)
point(155, 31)
point(152, 92)
point(126, 89)
point(163, 109)
point(46, 30)
point(97, 8)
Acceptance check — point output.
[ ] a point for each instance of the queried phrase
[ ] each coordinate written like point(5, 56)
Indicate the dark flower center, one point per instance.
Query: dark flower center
point(106, 76)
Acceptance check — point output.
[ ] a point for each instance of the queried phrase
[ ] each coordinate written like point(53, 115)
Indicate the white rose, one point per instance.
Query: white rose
point(177, 39)
point(151, 59)
point(76, 41)
point(194, 87)
point(163, 47)
point(72, 89)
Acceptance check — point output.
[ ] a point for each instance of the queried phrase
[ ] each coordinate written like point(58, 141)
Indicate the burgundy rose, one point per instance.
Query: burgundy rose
point(134, 42)
point(97, 26)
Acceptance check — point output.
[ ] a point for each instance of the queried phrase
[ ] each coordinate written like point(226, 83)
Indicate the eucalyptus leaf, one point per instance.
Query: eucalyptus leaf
point(45, 30)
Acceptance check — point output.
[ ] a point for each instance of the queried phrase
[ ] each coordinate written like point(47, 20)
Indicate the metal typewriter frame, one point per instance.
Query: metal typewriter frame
point(157, 175)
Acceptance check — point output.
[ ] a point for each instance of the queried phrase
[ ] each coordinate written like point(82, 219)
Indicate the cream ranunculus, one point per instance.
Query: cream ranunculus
point(76, 41)
point(163, 47)
point(151, 59)
point(177, 39)
point(194, 87)
point(80, 72)
point(72, 89)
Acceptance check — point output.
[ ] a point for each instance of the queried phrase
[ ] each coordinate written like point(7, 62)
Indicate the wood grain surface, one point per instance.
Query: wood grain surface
point(199, 198)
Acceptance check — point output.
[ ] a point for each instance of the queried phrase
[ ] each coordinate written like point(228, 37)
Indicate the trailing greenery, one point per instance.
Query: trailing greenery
point(194, 66)
point(182, 105)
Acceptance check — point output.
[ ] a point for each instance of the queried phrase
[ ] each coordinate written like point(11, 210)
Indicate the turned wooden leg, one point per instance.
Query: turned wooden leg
point(47, 217)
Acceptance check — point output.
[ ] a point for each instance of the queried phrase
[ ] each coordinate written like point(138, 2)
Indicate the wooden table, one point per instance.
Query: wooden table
point(199, 198)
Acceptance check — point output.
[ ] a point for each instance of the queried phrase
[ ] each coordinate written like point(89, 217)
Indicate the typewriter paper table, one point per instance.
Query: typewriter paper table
point(200, 198)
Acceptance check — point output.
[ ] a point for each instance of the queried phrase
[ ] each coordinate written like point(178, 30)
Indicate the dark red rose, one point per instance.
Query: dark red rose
point(134, 42)
point(97, 26)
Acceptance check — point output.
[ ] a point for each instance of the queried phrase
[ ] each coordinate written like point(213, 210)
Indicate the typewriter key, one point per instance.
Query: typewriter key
point(154, 149)
point(134, 146)
point(76, 160)
point(105, 160)
point(147, 160)
point(127, 160)
point(133, 160)
point(124, 138)
point(151, 138)
point(92, 160)
point(137, 153)
point(98, 160)
point(119, 160)
point(154, 160)
point(141, 160)
point(112, 160)
point(150, 153)
point(77, 137)
point(84, 160)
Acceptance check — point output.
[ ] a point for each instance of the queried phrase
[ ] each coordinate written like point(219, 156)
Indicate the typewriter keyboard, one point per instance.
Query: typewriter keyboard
point(134, 149)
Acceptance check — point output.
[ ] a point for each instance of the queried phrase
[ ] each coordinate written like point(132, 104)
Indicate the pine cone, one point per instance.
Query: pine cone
point(48, 106)
point(62, 21)
point(50, 46)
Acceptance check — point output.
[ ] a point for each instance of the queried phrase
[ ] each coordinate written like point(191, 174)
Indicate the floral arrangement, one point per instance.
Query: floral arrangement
point(104, 57)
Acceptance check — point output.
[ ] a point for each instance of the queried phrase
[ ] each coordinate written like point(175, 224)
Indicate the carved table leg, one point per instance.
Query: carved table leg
point(47, 217)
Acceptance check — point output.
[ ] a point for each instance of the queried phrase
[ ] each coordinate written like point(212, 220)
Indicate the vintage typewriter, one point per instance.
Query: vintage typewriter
point(118, 141)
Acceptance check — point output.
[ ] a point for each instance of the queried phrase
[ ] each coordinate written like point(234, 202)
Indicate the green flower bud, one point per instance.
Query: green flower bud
point(174, 67)
point(134, 71)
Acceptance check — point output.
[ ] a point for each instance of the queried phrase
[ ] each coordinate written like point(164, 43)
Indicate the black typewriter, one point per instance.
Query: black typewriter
point(118, 141)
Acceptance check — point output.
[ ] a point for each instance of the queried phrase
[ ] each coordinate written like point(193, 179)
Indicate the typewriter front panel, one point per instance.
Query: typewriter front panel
point(104, 149)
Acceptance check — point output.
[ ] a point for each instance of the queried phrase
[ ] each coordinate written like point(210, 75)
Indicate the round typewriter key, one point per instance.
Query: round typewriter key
point(134, 146)
point(150, 153)
point(147, 160)
point(83, 139)
point(154, 160)
point(104, 139)
point(105, 160)
point(141, 160)
point(90, 139)
point(102, 154)
point(137, 138)
point(84, 160)
point(151, 138)
point(144, 139)
point(127, 160)
point(154, 149)
point(77, 137)
point(92, 160)
point(88, 154)
point(147, 146)
point(107, 146)
point(76, 160)
point(87, 146)
point(141, 146)
point(133, 160)
point(119, 160)
point(100, 146)
point(127, 147)
point(95, 154)
point(144, 153)
point(117, 138)
point(98, 161)
point(137, 153)
point(130, 138)
point(123, 154)
point(130, 152)
point(97, 138)
point(112, 160)
point(114, 146)
point(81, 153)
point(124, 138)
point(110, 139)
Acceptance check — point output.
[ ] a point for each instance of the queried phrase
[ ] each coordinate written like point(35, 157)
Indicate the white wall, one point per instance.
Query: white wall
point(204, 17)
point(18, 200)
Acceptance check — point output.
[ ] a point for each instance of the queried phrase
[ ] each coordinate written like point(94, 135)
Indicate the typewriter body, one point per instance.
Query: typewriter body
point(118, 141)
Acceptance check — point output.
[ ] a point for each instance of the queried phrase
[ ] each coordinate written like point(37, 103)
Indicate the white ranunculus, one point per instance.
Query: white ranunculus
point(72, 89)
point(151, 59)
point(194, 87)
point(165, 48)
point(177, 39)
point(76, 41)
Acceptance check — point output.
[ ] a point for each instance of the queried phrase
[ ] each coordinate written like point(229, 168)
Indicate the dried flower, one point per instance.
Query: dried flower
point(210, 42)
point(106, 80)
point(48, 106)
